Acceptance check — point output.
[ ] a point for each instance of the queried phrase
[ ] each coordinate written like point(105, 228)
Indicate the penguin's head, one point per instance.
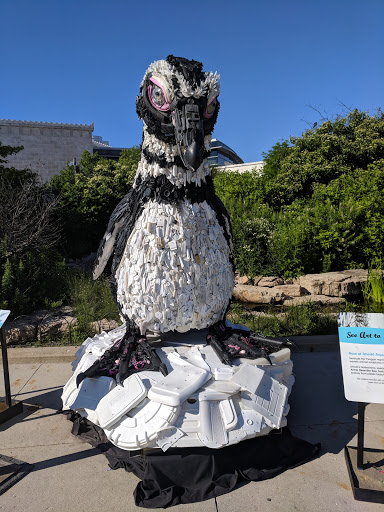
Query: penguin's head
point(178, 104)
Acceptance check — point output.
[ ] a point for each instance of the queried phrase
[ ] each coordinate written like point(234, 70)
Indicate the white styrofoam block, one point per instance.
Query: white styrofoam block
point(70, 392)
point(228, 413)
point(249, 378)
point(90, 392)
point(269, 402)
point(120, 400)
point(223, 373)
point(139, 428)
point(252, 421)
point(195, 357)
point(213, 433)
point(167, 437)
point(177, 386)
point(218, 390)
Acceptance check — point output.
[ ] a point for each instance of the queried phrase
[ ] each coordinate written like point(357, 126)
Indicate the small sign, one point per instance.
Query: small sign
point(4, 313)
point(361, 339)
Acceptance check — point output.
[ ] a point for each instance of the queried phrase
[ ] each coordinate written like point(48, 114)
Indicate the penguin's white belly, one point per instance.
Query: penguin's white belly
point(175, 273)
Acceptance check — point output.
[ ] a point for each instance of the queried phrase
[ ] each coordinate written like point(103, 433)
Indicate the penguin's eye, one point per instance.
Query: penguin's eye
point(211, 107)
point(157, 96)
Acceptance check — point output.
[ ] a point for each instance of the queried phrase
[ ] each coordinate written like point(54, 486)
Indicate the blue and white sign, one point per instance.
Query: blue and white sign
point(4, 313)
point(361, 339)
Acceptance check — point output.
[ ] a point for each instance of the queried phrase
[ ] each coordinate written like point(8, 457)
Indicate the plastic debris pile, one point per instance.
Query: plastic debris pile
point(201, 402)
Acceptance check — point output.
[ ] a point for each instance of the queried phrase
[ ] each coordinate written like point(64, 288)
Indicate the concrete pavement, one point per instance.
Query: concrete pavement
point(71, 475)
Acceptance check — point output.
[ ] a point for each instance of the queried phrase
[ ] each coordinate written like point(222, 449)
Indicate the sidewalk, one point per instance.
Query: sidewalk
point(70, 475)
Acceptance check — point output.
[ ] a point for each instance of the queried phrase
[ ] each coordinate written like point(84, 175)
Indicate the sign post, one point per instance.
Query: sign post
point(8, 408)
point(361, 339)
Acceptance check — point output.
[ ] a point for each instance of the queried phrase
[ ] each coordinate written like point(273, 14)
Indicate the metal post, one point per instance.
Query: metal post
point(7, 386)
point(360, 435)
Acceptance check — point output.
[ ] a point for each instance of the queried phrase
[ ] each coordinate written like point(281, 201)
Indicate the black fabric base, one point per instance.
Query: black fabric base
point(190, 475)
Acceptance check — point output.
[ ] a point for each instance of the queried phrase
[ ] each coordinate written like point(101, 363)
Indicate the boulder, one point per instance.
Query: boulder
point(270, 281)
point(323, 300)
point(40, 323)
point(256, 294)
point(288, 290)
point(335, 284)
point(243, 280)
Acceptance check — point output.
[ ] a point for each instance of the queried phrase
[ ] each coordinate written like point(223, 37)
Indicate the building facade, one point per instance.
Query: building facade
point(48, 147)
point(221, 154)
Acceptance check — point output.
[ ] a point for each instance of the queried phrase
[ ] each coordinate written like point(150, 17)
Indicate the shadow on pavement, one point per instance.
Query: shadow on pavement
point(319, 411)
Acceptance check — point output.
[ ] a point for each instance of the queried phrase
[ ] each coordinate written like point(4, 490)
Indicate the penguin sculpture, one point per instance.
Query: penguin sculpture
point(170, 243)
point(170, 237)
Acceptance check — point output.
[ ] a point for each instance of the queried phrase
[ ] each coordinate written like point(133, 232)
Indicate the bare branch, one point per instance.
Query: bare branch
point(27, 218)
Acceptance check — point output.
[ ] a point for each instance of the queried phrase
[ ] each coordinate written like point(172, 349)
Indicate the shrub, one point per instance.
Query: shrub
point(87, 196)
point(318, 205)
point(31, 270)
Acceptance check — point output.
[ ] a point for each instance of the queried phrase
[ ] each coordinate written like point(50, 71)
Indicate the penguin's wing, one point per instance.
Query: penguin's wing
point(116, 223)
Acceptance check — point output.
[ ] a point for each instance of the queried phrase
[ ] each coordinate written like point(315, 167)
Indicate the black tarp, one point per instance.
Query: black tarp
point(189, 475)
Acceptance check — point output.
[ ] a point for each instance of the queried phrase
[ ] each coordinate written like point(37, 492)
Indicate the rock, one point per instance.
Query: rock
point(270, 281)
point(314, 299)
point(105, 325)
point(256, 294)
point(292, 280)
point(243, 280)
point(288, 290)
point(40, 323)
point(335, 284)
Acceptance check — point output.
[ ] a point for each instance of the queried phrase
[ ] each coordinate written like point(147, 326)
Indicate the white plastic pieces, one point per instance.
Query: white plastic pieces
point(202, 402)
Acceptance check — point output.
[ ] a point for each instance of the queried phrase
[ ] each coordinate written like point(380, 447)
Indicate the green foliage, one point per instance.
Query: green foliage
point(91, 301)
point(32, 272)
point(32, 280)
point(373, 291)
point(319, 204)
point(308, 319)
point(8, 150)
point(322, 155)
point(88, 195)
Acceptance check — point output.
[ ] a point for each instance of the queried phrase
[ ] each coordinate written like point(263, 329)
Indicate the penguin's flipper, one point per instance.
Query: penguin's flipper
point(116, 222)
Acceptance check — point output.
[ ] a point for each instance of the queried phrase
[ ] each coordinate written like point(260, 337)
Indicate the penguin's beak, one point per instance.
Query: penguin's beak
point(189, 132)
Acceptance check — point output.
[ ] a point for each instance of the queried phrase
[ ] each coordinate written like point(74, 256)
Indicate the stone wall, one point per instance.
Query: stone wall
point(47, 146)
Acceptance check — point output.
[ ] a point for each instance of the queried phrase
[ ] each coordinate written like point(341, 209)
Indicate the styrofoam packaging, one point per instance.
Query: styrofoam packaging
point(120, 400)
point(90, 392)
point(177, 386)
point(139, 428)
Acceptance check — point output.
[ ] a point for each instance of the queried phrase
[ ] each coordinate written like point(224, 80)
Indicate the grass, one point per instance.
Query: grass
point(91, 302)
point(373, 291)
point(306, 319)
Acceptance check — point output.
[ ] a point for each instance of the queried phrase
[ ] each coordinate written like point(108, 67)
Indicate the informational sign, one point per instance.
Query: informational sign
point(361, 339)
point(3, 316)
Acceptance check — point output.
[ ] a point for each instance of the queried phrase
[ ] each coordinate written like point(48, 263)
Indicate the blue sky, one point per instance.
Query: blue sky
point(82, 61)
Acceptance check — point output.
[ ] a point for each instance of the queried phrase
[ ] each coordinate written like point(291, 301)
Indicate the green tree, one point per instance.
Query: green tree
point(294, 168)
point(87, 196)
point(319, 201)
